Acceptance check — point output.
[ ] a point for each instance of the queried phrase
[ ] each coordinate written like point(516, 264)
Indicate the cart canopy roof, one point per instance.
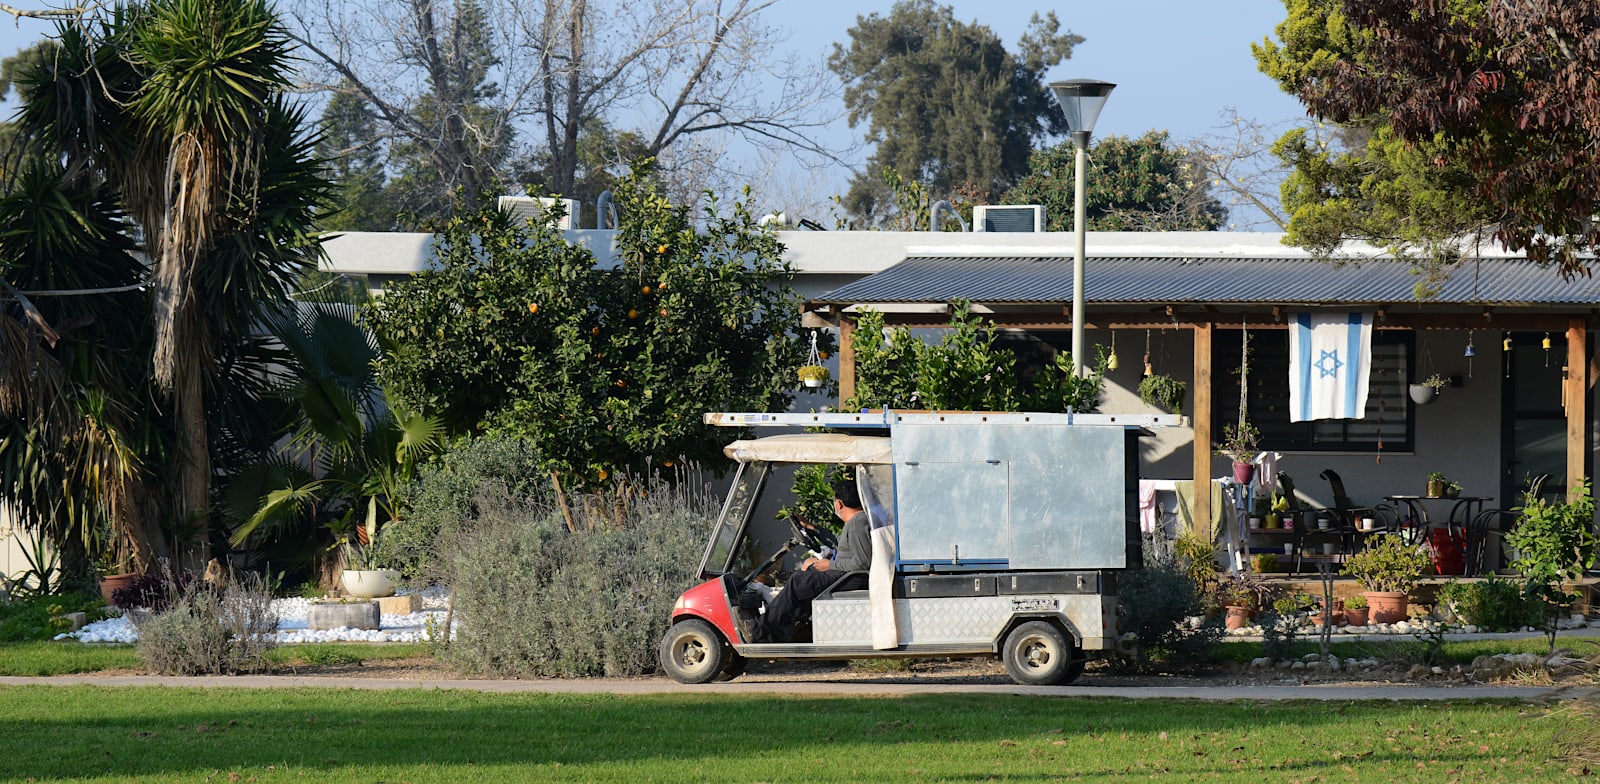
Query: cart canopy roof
point(812, 448)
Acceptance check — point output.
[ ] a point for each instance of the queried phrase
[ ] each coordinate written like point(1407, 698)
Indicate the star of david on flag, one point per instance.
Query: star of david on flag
point(1330, 359)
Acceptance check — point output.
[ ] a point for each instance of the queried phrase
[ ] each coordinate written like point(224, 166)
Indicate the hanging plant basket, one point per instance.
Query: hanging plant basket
point(1163, 391)
point(1422, 394)
point(813, 376)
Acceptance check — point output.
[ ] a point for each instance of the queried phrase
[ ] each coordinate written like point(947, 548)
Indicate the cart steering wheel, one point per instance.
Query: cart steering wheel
point(813, 537)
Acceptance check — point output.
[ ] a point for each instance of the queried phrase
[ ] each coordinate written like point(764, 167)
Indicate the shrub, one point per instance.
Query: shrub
point(1554, 542)
point(446, 493)
point(205, 630)
point(1494, 605)
point(1388, 564)
point(535, 600)
point(39, 617)
point(1154, 602)
point(151, 591)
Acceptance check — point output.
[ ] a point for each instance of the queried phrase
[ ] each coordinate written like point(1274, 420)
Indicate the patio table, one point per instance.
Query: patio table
point(1463, 510)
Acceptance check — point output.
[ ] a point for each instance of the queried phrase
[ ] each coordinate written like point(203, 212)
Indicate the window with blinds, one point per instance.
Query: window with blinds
point(1387, 425)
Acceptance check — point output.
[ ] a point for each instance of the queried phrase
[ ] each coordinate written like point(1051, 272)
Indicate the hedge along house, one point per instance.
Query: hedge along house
point(1510, 336)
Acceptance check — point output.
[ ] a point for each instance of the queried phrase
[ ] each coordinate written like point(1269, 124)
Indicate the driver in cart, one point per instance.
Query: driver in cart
point(847, 567)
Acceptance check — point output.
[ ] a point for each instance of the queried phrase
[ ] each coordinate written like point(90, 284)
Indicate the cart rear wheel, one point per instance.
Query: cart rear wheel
point(1039, 654)
point(692, 652)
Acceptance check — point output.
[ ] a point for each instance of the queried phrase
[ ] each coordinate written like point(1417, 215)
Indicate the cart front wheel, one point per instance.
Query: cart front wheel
point(692, 652)
point(1038, 654)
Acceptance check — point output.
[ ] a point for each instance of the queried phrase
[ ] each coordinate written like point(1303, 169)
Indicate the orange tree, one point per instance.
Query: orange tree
point(606, 368)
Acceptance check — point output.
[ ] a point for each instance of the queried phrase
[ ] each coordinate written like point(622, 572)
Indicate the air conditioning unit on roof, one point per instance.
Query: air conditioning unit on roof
point(525, 207)
point(1009, 217)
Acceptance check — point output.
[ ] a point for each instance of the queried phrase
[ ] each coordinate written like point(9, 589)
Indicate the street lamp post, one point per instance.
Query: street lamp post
point(1081, 101)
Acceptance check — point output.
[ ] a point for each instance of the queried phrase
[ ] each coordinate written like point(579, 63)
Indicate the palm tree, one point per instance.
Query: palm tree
point(351, 454)
point(176, 106)
point(69, 440)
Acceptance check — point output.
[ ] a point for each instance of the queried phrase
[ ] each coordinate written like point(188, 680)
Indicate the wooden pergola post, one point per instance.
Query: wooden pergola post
point(1202, 432)
point(1575, 398)
point(847, 359)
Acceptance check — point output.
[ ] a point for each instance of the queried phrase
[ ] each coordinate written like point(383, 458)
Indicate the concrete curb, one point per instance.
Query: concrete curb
point(1343, 692)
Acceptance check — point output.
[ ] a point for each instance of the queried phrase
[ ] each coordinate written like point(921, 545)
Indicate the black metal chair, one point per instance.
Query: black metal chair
point(1297, 512)
point(1477, 530)
point(1349, 515)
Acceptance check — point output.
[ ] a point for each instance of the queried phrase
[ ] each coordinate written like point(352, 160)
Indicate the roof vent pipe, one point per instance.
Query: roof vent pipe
point(934, 213)
point(603, 208)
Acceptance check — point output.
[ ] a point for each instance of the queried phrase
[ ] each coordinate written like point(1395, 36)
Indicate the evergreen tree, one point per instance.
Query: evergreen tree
point(1141, 184)
point(944, 101)
point(354, 152)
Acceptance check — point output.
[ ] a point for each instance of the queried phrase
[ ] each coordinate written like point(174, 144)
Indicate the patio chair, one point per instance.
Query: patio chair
point(1286, 486)
point(1479, 558)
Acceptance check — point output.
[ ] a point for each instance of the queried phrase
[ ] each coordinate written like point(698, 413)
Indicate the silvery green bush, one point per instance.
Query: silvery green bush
point(446, 493)
point(533, 599)
point(207, 630)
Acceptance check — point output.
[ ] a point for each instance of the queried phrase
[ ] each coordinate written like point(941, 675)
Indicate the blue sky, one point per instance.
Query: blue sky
point(1177, 63)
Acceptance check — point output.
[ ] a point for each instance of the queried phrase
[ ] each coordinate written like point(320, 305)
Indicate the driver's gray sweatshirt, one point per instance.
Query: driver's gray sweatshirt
point(855, 546)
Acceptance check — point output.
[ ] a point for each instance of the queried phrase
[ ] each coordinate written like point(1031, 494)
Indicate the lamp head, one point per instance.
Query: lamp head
point(1081, 101)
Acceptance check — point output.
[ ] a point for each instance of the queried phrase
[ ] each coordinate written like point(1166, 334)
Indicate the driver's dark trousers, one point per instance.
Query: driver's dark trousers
point(778, 625)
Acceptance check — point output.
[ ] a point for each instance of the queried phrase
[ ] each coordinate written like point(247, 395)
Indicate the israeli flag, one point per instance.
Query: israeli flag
point(1330, 358)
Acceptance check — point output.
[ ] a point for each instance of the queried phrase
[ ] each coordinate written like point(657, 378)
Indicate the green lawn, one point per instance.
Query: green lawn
point(154, 734)
point(69, 658)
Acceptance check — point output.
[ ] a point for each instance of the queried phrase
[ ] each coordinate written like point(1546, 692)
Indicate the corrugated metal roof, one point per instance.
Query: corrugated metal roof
point(1264, 281)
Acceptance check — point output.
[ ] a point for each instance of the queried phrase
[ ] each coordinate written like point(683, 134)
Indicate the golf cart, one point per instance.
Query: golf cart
point(993, 534)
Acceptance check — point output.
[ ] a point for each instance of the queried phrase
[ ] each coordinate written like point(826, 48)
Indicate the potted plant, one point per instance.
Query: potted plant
point(1278, 509)
point(1427, 390)
point(813, 376)
point(1388, 568)
point(1452, 490)
point(1163, 391)
point(1436, 484)
point(366, 575)
point(1355, 610)
point(1239, 593)
point(1239, 444)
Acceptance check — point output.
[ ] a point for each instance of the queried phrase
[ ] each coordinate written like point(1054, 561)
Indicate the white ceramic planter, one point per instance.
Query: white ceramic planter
point(370, 583)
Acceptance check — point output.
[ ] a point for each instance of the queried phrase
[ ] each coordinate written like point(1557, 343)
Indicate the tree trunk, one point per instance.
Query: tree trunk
point(194, 472)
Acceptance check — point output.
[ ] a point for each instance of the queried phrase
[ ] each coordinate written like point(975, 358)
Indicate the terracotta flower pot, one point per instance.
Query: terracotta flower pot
point(1244, 472)
point(1238, 617)
point(111, 583)
point(1386, 606)
point(1356, 616)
